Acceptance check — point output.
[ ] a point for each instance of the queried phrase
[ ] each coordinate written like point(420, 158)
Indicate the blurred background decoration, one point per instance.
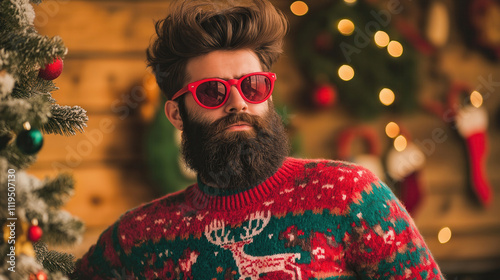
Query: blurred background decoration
point(408, 88)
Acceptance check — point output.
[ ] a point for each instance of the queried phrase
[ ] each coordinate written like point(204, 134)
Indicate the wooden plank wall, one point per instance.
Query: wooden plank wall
point(106, 63)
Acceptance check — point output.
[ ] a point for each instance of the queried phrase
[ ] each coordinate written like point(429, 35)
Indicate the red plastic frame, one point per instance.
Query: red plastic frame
point(191, 87)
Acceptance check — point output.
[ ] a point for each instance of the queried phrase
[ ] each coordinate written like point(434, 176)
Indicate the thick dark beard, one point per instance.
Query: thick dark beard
point(235, 160)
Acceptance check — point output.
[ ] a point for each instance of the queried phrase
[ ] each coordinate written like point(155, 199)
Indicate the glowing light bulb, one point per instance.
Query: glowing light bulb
point(381, 39)
point(345, 27)
point(400, 143)
point(386, 96)
point(346, 72)
point(392, 129)
point(444, 235)
point(27, 125)
point(350, 1)
point(395, 49)
point(299, 8)
point(476, 99)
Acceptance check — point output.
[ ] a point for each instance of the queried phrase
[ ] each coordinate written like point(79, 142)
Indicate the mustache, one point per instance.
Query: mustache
point(221, 124)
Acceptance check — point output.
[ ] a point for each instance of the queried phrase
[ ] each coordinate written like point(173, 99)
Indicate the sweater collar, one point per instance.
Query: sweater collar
point(208, 190)
point(209, 198)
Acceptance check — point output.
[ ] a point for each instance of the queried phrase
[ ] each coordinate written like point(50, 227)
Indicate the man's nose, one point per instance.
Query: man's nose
point(235, 102)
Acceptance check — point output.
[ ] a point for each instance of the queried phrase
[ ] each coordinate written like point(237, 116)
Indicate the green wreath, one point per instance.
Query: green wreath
point(163, 156)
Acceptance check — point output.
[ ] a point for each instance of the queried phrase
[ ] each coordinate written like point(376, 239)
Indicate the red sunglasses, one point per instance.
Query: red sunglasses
point(212, 93)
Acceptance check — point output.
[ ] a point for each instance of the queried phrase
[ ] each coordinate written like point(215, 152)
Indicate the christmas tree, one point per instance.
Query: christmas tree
point(30, 215)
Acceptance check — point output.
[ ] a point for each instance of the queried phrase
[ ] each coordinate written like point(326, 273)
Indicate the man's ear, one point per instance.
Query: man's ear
point(173, 114)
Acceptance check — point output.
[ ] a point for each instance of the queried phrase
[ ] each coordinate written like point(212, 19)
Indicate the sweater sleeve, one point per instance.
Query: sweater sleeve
point(384, 242)
point(102, 261)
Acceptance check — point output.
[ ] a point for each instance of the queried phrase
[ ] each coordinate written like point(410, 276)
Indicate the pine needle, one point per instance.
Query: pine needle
point(66, 120)
point(57, 191)
point(54, 261)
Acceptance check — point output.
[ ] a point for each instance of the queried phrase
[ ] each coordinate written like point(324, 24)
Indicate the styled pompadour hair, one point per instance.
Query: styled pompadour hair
point(195, 27)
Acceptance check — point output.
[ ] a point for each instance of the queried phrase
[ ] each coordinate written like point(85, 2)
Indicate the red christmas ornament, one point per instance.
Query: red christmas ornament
point(325, 96)
point(35, 233)
point(39, 276)
point(51, 70)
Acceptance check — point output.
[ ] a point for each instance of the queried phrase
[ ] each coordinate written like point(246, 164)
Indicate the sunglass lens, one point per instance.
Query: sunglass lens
point(256, 87)
point(211, 93)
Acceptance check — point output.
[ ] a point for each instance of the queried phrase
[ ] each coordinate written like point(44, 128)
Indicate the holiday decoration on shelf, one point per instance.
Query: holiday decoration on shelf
point(354, 49)
point(405, 161)
point(370, 159)
point(32, 217)
point(52, 70)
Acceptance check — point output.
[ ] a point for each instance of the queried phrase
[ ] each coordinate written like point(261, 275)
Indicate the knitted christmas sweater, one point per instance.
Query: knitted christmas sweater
point(316, 219)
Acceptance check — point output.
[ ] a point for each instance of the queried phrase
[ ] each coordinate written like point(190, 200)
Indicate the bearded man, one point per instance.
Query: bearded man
point(254, 212)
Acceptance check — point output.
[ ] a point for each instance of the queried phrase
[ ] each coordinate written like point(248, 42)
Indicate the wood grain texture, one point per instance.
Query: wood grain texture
point(101, 27)
point(103, 192)
point(103, 85)
point(106, 138)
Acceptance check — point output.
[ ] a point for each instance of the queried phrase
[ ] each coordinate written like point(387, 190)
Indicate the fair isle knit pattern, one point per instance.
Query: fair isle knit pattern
point(313, 219)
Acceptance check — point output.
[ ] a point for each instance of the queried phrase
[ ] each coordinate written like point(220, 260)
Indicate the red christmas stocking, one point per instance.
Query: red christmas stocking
point(404, 167)
point(472, 124)
point(410, 193)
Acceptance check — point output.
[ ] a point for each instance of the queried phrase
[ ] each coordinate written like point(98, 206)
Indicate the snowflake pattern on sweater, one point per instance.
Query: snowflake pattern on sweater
point(313, 219)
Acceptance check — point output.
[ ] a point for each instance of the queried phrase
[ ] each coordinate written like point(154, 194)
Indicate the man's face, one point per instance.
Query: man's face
point(239, 144)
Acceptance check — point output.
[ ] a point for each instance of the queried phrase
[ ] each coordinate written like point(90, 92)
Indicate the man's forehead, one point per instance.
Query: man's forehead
point(224, 64)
